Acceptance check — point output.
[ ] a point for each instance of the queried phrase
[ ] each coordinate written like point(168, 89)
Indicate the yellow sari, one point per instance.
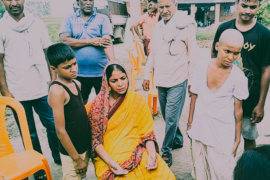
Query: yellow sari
point(124, 138)
point(125, 130)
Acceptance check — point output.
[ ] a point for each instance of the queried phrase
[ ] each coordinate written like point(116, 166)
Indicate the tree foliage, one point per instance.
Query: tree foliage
point(38, 8)
point(2, 9)
point(263, 14)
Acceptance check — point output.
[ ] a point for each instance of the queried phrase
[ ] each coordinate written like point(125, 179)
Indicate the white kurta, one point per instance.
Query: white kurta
point(214, 120)
point(174, 51)
point(26, 75)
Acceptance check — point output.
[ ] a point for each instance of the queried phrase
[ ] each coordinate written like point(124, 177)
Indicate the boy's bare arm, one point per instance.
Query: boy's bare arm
point(56, 100)
point(238, 112)
point(191, 111)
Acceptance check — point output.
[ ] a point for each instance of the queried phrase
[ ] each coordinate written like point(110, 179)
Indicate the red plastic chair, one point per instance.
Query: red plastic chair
point(15, 166)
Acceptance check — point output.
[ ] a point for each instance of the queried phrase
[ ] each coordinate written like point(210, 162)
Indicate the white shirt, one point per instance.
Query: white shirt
point(173, 53)
point(26, 80)
point(214, 120)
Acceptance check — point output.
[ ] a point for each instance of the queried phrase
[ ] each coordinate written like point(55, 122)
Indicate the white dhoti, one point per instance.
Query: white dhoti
point(211, 163)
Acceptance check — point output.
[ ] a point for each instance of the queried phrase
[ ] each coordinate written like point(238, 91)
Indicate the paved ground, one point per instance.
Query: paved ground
point(182, 163)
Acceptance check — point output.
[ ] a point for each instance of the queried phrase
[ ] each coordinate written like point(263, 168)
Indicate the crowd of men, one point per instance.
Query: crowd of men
point(227, 92)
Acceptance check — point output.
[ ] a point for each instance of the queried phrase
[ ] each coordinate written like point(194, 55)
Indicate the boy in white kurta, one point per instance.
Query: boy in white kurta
point(216, 110)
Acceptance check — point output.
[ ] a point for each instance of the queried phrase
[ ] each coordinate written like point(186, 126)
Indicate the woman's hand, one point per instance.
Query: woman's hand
point(116, 168)
point(152, 162)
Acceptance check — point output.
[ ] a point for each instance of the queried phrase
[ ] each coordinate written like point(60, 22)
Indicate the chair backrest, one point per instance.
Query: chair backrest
point(133, 61)
point(5, 145)
point(139, 51)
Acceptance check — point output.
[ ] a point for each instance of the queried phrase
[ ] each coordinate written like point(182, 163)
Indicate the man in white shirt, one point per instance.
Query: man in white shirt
point(24, 73)
point(173, 58)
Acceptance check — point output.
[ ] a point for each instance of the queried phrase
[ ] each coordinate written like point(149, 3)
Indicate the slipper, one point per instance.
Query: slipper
point(177, 146)
point(40, 175)
point(168, 159)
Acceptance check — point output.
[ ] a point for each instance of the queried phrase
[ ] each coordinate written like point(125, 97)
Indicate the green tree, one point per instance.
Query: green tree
point(263, 14)
point(2, 9)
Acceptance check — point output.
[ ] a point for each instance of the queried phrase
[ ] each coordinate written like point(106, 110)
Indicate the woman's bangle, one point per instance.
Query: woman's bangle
point(189, 124)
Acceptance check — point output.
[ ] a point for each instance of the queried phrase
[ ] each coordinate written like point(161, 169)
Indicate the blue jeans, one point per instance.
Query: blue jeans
point(171, 103)
point(45, 114)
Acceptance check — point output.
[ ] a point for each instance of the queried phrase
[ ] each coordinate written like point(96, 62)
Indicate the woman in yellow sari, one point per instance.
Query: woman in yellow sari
point(123, 142)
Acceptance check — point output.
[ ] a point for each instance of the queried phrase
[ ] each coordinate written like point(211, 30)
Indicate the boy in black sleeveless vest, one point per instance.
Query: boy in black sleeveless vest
point(71, 120)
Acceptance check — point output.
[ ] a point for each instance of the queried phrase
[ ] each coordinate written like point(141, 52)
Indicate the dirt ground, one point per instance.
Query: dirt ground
point(182, 162)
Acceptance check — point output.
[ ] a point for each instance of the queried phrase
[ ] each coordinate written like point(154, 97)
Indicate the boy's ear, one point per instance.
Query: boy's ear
point(217, 46)
point(53, 68)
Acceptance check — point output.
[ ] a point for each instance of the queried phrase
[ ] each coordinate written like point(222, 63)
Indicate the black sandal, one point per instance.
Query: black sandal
point(168, 159)
point(40, 175)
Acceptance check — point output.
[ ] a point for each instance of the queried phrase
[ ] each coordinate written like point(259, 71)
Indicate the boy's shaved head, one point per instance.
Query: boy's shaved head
point(229, 47)
point(232, 38)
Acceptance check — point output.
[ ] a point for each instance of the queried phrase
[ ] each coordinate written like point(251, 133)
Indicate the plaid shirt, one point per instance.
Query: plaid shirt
point(97, 25)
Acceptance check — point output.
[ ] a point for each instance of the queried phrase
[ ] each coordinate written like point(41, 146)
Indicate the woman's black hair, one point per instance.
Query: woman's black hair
point(113, 67)
point(254, 164)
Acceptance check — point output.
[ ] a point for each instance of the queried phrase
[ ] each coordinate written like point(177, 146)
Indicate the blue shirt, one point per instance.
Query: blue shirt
point(91, 59)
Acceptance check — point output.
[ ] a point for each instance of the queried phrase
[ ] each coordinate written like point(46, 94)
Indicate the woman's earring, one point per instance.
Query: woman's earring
point(110, 88)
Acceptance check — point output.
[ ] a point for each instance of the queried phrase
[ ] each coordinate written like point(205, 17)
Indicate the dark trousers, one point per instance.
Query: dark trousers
point(87, 83)
point(171, 103)
point(45, 114)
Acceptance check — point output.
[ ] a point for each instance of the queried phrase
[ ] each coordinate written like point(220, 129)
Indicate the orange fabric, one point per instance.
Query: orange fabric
point(148, 23)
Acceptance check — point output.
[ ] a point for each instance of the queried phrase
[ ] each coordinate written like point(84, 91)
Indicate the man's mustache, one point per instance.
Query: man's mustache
point(14, 7)
point(247, 14)
point(165, 14)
